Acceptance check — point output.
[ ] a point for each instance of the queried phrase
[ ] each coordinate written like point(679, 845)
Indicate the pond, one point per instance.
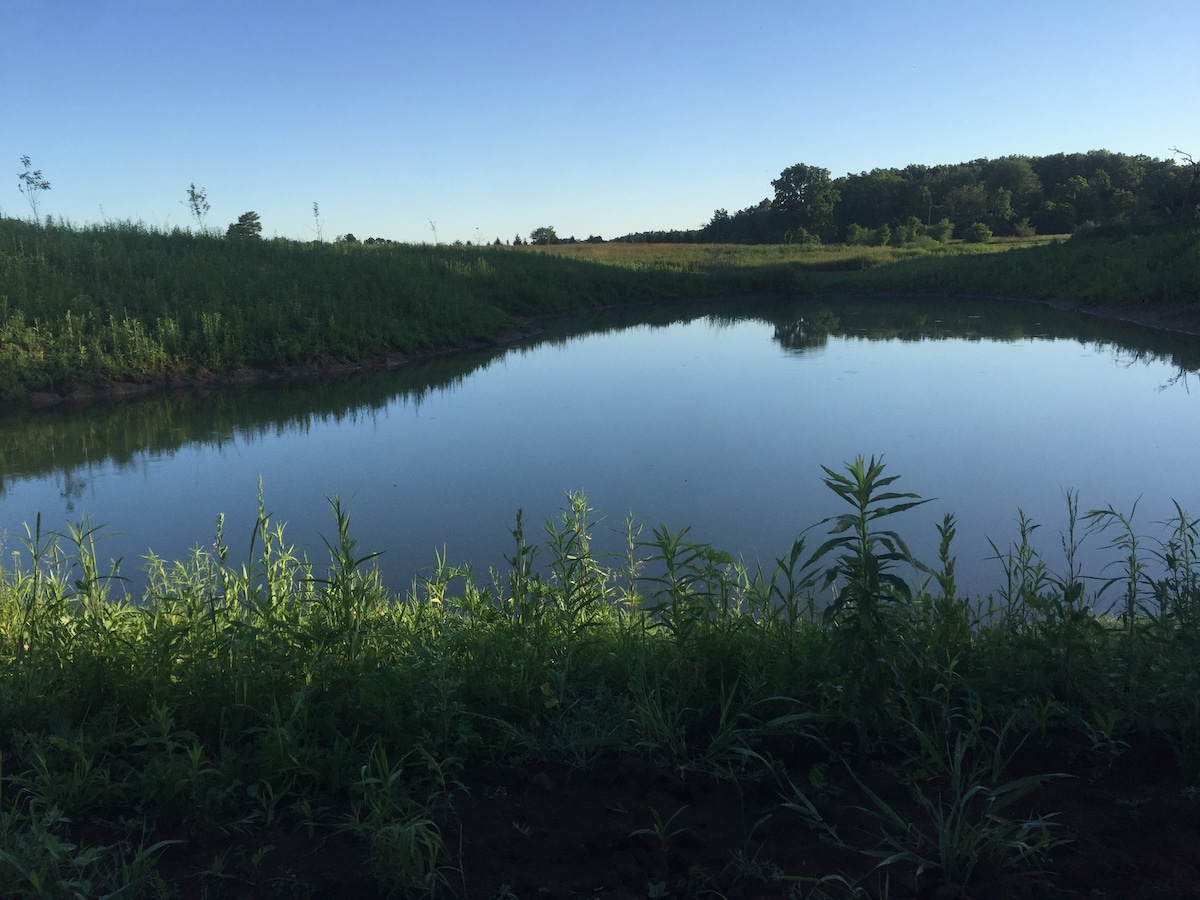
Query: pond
point(717, 417)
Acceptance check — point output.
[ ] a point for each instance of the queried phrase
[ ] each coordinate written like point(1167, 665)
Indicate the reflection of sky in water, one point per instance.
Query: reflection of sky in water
point(713, 427)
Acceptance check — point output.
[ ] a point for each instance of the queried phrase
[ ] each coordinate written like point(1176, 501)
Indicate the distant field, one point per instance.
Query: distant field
point(700, 256)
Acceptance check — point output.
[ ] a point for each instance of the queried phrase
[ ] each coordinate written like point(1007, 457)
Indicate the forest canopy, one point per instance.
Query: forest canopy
point(1012, 195)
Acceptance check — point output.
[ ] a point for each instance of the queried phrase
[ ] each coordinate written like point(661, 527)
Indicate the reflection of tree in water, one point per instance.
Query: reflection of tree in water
point(1179, 377)
point(809, 332)
point(1127, 358)
point(71, 487)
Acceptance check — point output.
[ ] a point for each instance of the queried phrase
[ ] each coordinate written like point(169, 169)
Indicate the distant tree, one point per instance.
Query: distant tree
point(347, 238)
point(247, 226)
point(926, 197)
point(875, 198)
point(967, 203)
point(543, 235)
point(881, 235)
point(1187, 205)
point(752, 225)
point(804, 198)
point(1000, 210)
point(977, 233)
point(1053, 217)
point(197, 202)
point(717, 229)
point(1016, 175)
point(31, 184)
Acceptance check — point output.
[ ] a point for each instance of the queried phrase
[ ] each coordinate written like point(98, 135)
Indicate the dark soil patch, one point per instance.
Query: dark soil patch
point(628, 829)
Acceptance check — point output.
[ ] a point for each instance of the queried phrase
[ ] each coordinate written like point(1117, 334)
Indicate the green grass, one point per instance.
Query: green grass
point(293, 694)
point(121, 302)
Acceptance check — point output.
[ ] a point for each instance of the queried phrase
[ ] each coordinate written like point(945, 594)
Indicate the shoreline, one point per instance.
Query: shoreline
point(1178, 322)
point(1184, 322)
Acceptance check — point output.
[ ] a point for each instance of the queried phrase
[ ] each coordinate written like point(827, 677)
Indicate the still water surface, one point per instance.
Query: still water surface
point(717, 418)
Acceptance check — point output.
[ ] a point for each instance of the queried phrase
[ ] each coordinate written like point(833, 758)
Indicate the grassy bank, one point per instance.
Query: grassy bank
point(169, 744)
point(125, 303)
point(122, 303)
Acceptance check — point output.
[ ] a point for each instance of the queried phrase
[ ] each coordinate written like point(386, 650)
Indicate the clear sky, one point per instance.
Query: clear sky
point(493, 118)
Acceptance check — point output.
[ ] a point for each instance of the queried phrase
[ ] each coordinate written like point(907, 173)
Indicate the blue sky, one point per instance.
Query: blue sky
point(493, 118)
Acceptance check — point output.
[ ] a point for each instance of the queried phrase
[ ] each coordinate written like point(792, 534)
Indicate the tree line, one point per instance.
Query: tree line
point(1012, 195)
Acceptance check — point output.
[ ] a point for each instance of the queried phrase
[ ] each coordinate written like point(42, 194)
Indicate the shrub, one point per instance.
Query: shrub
point(977, 233)
point(941, 231)
point(857, 235)
point(1024, 229)
point(908, 233)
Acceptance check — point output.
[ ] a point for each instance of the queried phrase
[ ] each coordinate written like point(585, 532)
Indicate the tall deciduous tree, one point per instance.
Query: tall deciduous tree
point(1015, 174)
point(543, 235)
point(804, 198)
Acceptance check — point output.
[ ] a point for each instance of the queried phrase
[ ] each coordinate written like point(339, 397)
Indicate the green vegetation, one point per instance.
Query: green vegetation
point(1011, 196)
point(246, 226)
point(290, 696)
point(286, 696)
point(86, 306)
point(32, 183)
point(125, 303)
point(1154, 269)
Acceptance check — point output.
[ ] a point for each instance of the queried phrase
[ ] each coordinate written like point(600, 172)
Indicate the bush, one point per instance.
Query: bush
point(977, 234)
point(906, 234)
point(1024, 229)
point(941, 231)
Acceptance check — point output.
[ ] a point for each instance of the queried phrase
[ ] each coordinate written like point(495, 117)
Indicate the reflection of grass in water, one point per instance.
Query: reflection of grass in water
point(282, 693)
point(62, 439)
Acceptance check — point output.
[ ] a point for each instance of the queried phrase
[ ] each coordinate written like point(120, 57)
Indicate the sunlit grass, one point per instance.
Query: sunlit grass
point(121, 302)
point(288, 692)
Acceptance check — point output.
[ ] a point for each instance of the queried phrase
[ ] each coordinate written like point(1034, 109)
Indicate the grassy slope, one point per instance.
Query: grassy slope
point(122, 303)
